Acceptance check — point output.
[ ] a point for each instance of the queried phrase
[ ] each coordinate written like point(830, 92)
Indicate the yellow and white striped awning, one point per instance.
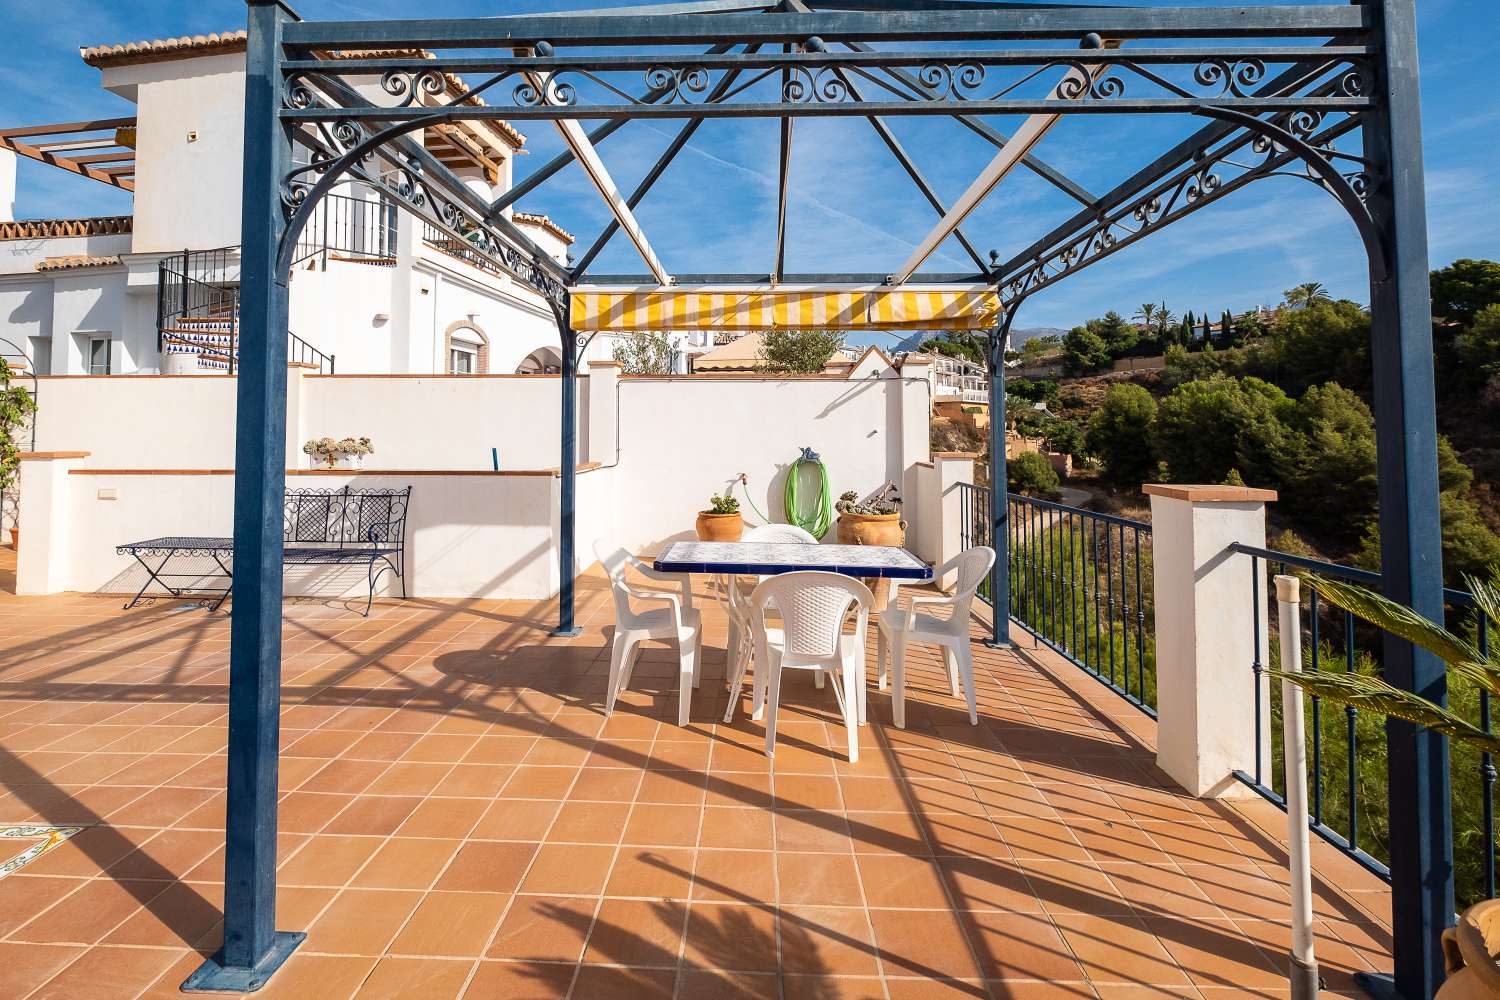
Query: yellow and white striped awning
point(856, 307)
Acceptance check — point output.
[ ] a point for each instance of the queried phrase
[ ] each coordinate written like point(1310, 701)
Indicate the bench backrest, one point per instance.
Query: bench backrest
point(345, 517)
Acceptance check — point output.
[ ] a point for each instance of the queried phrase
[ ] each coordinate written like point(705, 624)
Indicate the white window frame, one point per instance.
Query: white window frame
point(87, 339)
point(457, 348)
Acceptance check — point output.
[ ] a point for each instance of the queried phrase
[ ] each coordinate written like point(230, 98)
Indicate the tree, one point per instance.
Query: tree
point(1228, 333)
point(1037, 348)
point(1306, 294)
point(16, 408)
point(1119, 336)
point(1480, 346)
point(1064, 437)
point(957, 344)
point(1324, 342)
point(1331, 481)
point(1031, 474)
point(799, 351)
point(1121, 434)
point(1166, 322)
point(1462, 289)
point(644, 353)
point(1084, 350)
point(1185, 331)
point(1208, 427)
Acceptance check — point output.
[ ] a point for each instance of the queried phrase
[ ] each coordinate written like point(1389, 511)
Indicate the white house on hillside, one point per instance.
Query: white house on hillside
point(373, 291)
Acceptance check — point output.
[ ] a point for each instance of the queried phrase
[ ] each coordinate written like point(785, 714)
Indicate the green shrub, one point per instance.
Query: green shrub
point(1121, 434)
point(1031, 474)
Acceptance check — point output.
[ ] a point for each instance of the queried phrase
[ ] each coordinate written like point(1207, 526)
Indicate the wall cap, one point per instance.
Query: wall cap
point(955, 456)
point(1209, 494)
point(605, 364)
point(42, 456)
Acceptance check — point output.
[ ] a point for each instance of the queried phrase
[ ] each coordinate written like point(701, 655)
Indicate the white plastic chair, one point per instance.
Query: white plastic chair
point(741, 647)
point(901, 625)
point(678, 621)
point(813, 608)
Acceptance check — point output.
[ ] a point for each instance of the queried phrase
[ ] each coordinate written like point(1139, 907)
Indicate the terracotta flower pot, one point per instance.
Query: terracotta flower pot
point(15, 539)
point(871, 529)
point(1471, 950)
point(720, 527)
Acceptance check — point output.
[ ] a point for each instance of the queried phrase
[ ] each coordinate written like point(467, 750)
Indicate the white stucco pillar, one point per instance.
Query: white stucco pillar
point(296, 432)
point(603, 412)
point(911, 433)
point(952, 468)
point(45, 518)
point(1207, 633)
point(7, 186)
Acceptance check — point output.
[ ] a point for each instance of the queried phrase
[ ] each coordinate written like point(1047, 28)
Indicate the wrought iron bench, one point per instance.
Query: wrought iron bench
point(319, 528)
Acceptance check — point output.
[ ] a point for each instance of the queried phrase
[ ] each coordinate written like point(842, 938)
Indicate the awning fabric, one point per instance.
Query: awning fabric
point(866, 307)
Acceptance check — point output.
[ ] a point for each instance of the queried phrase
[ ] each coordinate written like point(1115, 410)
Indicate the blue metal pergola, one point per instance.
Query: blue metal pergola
point(1325, 91)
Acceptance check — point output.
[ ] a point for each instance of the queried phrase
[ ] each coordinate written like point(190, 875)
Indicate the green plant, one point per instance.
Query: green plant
point(329, 450)
point(1030, 473)
point(16, 408)
point(885, 502)
point(799, 351)
point(1463, 288)
point(1120, 434)
point(726, 504)
point(1370, 693)
point(644, 352)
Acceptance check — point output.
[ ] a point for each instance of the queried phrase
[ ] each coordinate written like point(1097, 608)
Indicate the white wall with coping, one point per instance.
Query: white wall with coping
point(1207, 634)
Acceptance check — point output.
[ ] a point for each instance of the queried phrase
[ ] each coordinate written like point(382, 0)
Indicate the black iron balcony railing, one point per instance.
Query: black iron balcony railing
point(1347, 770)
point(346, 227)
point(1081, 583)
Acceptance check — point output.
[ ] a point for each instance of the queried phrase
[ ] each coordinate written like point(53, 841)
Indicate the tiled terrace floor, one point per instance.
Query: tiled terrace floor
point(460, 820)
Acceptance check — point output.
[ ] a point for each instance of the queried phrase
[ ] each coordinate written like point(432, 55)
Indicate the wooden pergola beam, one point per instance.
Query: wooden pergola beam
point(65, 163)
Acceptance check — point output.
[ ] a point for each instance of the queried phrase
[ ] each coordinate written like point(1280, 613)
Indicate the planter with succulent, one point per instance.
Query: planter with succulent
point(16, 408)
point(345, 453)
point(1472, 948)
point(722, 521)
point(876, 521)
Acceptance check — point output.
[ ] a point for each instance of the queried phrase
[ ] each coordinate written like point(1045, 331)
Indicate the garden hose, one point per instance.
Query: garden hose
point(821, 519)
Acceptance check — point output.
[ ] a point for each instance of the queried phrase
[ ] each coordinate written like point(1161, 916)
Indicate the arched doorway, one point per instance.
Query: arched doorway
point(542, 361)
point(466, 350)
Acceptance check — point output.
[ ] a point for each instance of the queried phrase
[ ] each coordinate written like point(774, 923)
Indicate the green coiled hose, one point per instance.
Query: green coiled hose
point(818, 523)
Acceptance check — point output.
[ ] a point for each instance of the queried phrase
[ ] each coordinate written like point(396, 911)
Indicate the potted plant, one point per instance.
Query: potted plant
point(16, 408)
point(722, 521)
point(347, 453)
point(876, 521)
point(1473, 964)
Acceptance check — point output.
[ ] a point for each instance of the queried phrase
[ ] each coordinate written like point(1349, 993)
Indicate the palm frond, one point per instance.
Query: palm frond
point(1485, 675)
point(1486, 595)
point(1398, 619)
point(1361, 691)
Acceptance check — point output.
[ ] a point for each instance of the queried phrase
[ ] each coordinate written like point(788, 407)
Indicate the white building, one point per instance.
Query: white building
point(373, 290)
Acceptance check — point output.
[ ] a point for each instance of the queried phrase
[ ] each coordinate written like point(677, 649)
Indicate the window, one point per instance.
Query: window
point(462, 360)
point(98, 355)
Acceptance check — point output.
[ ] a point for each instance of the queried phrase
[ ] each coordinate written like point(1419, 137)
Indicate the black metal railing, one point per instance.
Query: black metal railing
point(351, 228)
point(1081, 583)
point(299, 351)
point(464, 251)
point(1349, 802)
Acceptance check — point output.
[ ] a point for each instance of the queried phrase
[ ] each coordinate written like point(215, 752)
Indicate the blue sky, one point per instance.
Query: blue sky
point(852, 208)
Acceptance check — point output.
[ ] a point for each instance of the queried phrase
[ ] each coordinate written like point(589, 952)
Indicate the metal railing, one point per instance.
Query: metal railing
point(1347, 777)
point(1080, 583)
point(439, 240)
point(299, 351)
point(349, 227)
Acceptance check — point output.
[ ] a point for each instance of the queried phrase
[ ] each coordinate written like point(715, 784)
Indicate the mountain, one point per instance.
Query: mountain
point(1019, 337)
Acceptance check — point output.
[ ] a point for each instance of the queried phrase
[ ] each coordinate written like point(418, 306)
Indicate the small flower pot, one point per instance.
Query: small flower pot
point(720, 527)
point(871, 529)
point(15, 538)
point(351, 462)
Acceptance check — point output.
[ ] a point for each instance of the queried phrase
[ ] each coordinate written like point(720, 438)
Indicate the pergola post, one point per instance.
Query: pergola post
point(567, 473)
point(253, 949)
point(1410, 526)
point(999, 494)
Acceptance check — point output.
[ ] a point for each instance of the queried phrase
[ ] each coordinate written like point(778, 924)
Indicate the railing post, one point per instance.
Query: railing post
point(999, 495)
point(1207, 633)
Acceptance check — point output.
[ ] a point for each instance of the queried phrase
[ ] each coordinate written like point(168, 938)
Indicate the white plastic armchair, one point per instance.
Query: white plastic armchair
point(814, 607)
point(737, 603)
point(678, 620)
point(950, 633)
point(784, 533)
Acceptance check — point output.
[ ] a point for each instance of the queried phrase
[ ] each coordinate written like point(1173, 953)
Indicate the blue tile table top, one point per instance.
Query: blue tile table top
point(769, 558)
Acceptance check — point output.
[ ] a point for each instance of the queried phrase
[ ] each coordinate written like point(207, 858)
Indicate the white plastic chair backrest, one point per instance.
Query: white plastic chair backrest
point(813, 607)
point(973, 565)
point(785, 533)
point(616, 561)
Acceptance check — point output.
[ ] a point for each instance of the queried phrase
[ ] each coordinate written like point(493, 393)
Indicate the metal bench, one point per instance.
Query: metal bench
point(319, 528)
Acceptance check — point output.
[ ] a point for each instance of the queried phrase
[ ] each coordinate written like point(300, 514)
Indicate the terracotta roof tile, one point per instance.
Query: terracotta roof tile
point(528, 219)
point(76, 261)
point(152, 50)
point(42, 229)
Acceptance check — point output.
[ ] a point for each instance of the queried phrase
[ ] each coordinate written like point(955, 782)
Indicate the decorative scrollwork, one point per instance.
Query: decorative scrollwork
point(551, 92)
point(814, 86)
point(297, 94)
point(677, 85)
point(1233, 79)
point(956, 81)
point(412, 86)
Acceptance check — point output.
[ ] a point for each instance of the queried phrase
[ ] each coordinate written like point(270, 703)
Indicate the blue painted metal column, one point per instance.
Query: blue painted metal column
point(1410, 526)
point(253, 949)
point(999, 495)
point(568, 474)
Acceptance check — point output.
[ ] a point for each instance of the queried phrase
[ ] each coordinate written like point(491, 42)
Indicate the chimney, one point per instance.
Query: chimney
point(7, 186)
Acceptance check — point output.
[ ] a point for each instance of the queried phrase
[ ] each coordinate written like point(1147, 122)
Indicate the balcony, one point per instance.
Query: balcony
point(459, 819)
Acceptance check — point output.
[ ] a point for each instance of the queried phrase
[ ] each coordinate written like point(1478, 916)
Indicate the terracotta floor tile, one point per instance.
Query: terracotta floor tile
point(180, 917)
point(736, 876)
point(521, 981)
point(442, 818)
point(732, 937)
point(543, 929)
point(590, 823)
point(106, 973)
point(402, 978)
point(980, 884)
point(926, 943)
point(1021, 946)
point(517, 819)
point(90, 912)
point(535, 783)
point(603, 784)
point(481, 866)
point(818, 879)
point(1119, 950)
point(456, 924)
point(692, 982)
point(361, 921)
point(1215, 953)
point(309, 812)
point(827, 941)
point(371, 815)
point(625, 984)
point(321, 976)
point(24, 967)
point(675, 787)
point(637, 933)
point(408, 777)
point(24, 896)
point(327, 860)
point(406, 863)
point(569, 868)
point(653, 872)
point(892, 880)
point(477, 781)
point(812, 830)
point(658, 825)
point(888, 833)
